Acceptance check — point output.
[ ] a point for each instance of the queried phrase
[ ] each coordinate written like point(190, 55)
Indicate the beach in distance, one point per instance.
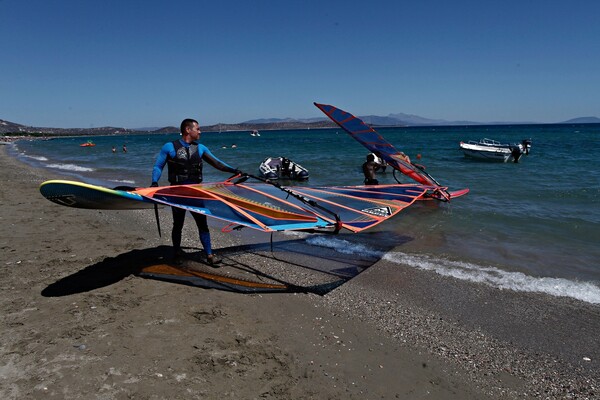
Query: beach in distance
point(78, 321)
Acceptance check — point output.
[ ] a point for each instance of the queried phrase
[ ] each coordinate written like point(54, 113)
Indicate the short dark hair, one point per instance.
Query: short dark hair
point(188, 122)
point(370, 157)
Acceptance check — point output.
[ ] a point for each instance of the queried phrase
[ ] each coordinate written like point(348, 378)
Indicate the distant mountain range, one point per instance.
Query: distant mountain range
point(392, 120)
point(583, 120)
point(11, 128)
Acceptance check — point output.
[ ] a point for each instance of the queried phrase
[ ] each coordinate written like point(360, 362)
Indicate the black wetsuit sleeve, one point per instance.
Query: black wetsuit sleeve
point(218, 164)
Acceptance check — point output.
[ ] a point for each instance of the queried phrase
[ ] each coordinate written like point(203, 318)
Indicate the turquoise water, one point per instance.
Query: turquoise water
point(531, 226)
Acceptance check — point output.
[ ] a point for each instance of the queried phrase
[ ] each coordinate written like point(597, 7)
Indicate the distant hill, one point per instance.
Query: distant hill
point(284, 120)
point(416, 120)
point(583, 120)
point(273, 124)
point(399, 119)
point(7, 126)
point(11, 128)
point(389, 120)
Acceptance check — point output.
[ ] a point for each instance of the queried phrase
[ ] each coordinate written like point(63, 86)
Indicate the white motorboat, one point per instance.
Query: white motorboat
point(492, 150)
point(282, 168)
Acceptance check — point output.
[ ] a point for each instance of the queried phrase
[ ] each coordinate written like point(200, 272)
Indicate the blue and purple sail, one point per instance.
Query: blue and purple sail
point(373, 141)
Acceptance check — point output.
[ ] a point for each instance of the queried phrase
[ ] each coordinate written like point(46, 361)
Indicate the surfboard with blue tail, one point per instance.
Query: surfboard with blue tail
point(84, 195)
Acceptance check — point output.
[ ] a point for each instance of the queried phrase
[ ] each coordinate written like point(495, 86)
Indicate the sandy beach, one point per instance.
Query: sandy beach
point(78, 322)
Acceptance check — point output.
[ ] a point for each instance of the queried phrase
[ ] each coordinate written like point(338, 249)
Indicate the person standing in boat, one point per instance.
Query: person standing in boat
point(369, 168)
point(184, 158)
point(286, 171)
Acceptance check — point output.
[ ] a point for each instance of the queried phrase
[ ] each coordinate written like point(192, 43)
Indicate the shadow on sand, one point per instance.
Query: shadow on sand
point(254, 268)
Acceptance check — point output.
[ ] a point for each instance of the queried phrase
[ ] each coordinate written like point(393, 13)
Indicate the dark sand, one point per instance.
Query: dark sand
point(77, 322)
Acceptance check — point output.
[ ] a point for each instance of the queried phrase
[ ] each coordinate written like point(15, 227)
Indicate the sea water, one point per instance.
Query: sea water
point(530, 226)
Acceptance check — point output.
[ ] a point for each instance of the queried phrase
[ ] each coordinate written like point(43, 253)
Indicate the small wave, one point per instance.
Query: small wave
point(296, 234)
point(343, 246)
point(491, 276)
point(38, 158)
point(122, 181)
point(584, 291)
point(70, 167)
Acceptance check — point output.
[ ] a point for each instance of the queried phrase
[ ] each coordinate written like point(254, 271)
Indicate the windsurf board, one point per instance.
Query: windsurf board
point(84, 195)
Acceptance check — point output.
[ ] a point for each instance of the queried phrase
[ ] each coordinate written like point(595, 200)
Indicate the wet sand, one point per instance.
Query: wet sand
point(77, 322)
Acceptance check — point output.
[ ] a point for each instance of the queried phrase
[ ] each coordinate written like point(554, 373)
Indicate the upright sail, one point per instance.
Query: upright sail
point(373, 141)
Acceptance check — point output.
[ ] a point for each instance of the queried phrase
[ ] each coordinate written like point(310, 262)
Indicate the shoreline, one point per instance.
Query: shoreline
point(390, 331)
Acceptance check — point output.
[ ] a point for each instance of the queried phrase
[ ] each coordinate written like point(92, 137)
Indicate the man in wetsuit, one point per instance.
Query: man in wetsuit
point(184, 159)
point(369, 169)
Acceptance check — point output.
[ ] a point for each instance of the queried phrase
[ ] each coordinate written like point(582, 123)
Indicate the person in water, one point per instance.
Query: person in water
point(184, 158)
point(369, 168)
point(286, 169)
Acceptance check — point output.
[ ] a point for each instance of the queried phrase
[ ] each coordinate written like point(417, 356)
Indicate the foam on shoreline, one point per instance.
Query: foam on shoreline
point(488, 275)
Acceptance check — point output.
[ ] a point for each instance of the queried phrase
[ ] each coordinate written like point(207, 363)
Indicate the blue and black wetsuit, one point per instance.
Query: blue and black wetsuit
point(184, 161)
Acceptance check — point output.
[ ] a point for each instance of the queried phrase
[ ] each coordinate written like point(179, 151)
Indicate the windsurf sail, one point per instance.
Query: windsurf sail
point(268, 208)
point(373, 141)
point(264, 206)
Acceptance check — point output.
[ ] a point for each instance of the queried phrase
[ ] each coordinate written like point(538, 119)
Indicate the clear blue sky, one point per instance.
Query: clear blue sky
point(145, 63)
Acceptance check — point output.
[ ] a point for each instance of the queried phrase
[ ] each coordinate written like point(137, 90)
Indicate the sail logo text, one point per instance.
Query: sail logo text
point(378, 211)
